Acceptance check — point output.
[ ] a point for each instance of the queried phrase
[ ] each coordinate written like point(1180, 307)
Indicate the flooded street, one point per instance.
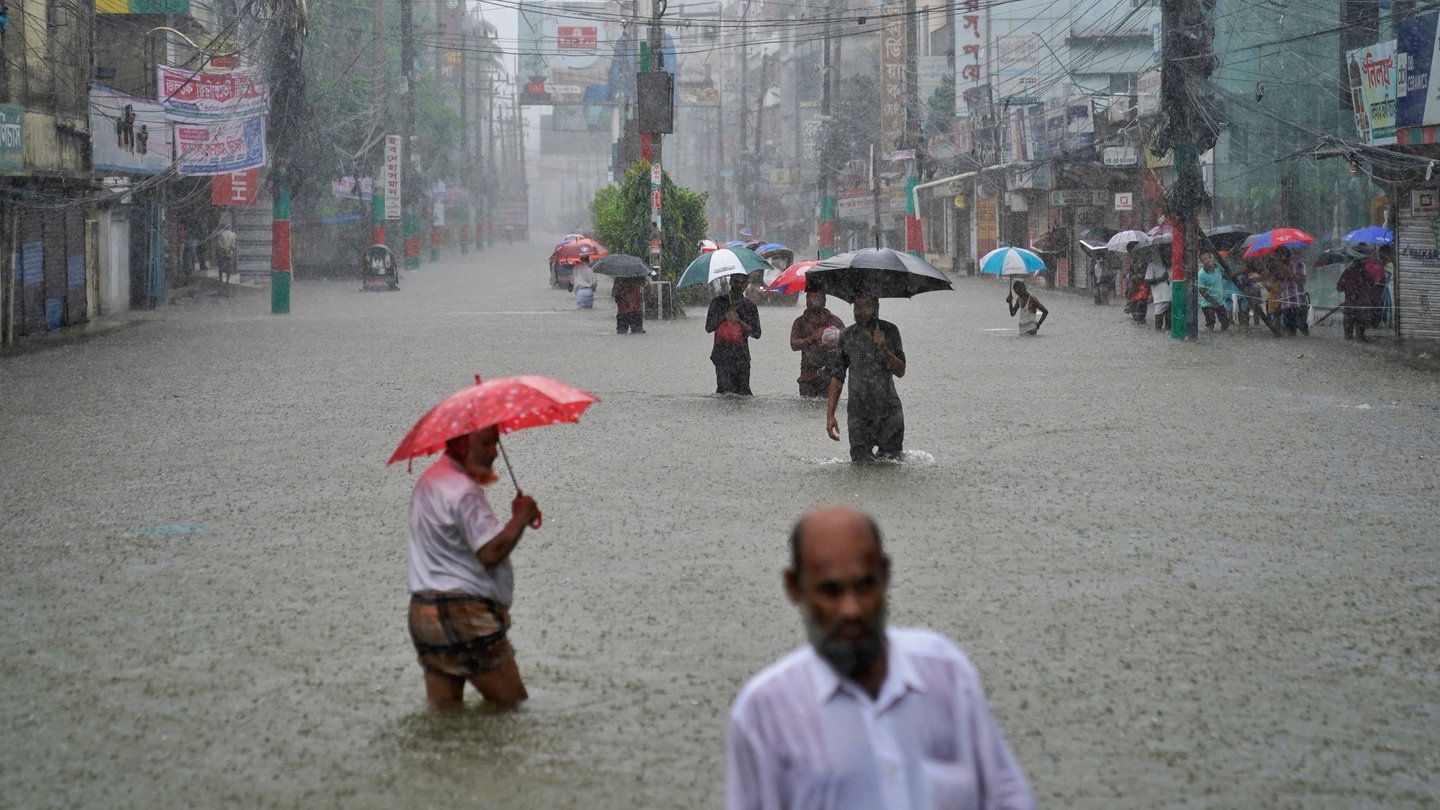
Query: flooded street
point(1189, 575)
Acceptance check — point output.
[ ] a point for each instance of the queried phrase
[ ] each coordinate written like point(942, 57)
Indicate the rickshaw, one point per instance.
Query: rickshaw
point(377, 269)
point(780, 257)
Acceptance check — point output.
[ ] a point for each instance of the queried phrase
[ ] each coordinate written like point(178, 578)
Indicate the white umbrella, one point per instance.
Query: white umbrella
point(1126, 241)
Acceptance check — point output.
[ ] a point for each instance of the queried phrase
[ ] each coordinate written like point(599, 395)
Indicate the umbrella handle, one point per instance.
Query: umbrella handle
point(539, 517)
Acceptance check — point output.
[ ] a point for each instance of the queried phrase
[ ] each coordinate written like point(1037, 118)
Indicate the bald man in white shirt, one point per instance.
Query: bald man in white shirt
point(863, 716)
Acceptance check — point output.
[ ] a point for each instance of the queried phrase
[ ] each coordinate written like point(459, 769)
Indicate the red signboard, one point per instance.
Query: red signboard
point(235, 188)
point(577, 37)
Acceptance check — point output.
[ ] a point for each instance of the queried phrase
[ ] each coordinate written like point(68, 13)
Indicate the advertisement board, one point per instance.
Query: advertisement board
point(1373, 91)
point(220, 147)
point(128, 134)
point(564, 48)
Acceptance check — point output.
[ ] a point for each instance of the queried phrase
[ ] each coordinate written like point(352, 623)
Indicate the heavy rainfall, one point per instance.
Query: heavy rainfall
point(1194, 565)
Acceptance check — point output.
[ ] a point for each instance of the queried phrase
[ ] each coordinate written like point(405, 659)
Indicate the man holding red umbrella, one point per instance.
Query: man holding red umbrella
point(461, 582)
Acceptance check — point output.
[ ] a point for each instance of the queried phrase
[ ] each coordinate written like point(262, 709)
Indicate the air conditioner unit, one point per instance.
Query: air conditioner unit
point(1120, 109)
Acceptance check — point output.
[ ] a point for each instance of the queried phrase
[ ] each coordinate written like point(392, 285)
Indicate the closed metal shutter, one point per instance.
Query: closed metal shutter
point(30, 275)
point(75, 260)
point(1417, 272)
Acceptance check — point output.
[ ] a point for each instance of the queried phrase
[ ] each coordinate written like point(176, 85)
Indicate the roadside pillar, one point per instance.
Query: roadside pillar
point(280, 249)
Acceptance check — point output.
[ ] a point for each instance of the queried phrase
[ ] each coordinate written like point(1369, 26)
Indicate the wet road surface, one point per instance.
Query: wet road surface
point(1190, 575)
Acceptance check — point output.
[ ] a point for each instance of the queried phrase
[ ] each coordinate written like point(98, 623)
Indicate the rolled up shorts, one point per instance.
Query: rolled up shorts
point(459, 634)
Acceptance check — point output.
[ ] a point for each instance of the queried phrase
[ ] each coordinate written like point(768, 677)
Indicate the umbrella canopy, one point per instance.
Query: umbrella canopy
point(734, 243)
point(578, 249)
point(793, 279)
point(1373, 235)
point(708, 246)
point(882, 272)
point(507, 403)
point(622, 265)
point(1166, 227)
point(1097, 233)
point(569, 237)
point(1011, 261)
point(1052, 241)
point(773, 251)
point(1227, 237)
point(1126, 241)
point(720, 263)
point(1266, 243)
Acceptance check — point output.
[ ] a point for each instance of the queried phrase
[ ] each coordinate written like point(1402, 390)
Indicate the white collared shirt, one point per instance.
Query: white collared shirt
point(450, 520)
point(803, 737)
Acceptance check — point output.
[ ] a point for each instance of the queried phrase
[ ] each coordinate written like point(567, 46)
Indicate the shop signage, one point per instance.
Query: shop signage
point(12, 136)
point(390, 177)
point(1121, 156)
point(1124, 201)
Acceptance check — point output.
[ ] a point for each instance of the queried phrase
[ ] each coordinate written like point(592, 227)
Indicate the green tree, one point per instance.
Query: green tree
point(622, 219)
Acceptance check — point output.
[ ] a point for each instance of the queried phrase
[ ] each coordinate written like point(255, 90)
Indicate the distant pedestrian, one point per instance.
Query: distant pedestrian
point(629, 295)
point(870, 354)
point(815, 334)
point(1021, 300)
point(1290, 276)
point(863, 717)
point(461, 581)
point(1211, 286)
point(582, 280)
point(734, 320)
point(1157, 276)
point(225, 245)
point(1363, 284)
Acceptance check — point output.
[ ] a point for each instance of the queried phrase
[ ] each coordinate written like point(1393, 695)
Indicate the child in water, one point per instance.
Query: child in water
point(1020, 300)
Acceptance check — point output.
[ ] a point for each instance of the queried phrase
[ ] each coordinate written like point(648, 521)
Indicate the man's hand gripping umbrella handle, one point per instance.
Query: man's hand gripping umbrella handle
point(539, 518)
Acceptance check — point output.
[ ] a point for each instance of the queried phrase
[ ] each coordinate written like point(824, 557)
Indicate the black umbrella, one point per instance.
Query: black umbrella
point(881, 272)
point(1227, 237)
point(621, 265)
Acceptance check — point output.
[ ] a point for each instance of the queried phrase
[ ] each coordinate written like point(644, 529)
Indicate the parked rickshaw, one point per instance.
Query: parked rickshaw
point(377, 269)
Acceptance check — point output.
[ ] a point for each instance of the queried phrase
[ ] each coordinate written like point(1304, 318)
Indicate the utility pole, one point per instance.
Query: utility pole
point(914, 239)
point(410, 156)
point(657, 165)
point(825, 232)
point(1186, 61)
point(381, 102)
point(746, 161)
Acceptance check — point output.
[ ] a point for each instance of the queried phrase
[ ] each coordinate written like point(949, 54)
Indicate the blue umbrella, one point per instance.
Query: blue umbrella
point(734, 243)
point(769, 246)
point(1373, 235)
point(1011, 261)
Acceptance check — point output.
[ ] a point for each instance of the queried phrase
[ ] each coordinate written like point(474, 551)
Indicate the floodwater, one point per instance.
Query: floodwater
point(1199, 575)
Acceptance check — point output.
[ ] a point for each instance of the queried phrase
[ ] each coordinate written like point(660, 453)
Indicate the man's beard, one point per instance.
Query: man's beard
point(849, 658)
point(484, 476)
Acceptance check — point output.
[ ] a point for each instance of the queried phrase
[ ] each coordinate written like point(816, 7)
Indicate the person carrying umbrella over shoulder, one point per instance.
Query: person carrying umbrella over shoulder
point(871, 354)
point(460, 577)
point(1021, 300)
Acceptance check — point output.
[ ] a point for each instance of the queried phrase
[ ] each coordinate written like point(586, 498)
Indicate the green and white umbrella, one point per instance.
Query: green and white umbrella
point(721, 263)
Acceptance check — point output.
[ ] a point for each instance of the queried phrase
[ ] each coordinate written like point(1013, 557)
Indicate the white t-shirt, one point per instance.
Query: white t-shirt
point(450, 520)
point(802, 736)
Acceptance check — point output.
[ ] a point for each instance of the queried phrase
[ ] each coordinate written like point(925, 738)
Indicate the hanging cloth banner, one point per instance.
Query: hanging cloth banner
point(220, 147)
point(189, 95)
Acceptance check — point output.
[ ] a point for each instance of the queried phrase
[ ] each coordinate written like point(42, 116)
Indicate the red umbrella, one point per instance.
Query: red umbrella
point(793, 279)
point(578, 249)
point(508, 403)
point(1267, 242)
